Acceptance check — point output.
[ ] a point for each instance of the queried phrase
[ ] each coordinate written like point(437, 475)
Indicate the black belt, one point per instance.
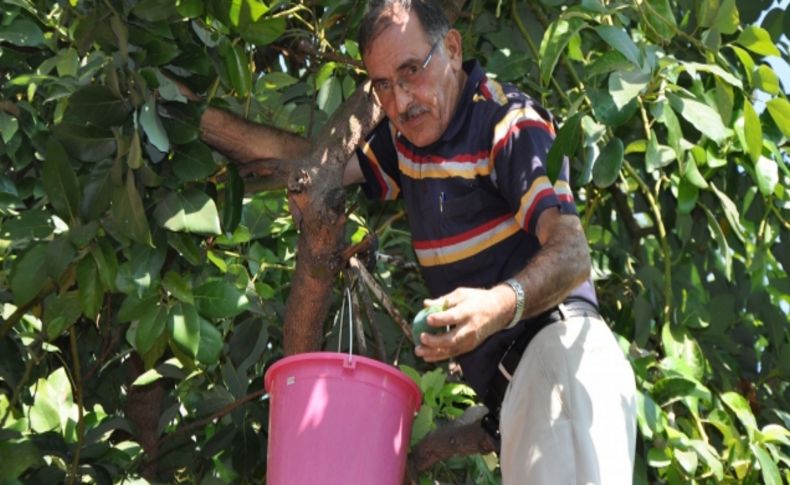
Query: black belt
point(507, 364)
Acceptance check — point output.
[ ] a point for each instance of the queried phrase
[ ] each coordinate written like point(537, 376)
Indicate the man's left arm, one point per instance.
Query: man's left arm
point(562, 264)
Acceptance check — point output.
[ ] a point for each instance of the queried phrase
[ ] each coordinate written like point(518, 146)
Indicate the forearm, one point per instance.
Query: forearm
point(562, 264)
point(243, 141)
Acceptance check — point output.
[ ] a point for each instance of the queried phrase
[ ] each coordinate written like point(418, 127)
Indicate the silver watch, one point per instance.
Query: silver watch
point(519, 291)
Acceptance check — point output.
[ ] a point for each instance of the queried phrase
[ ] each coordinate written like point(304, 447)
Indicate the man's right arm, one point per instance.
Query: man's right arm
point(244, 141)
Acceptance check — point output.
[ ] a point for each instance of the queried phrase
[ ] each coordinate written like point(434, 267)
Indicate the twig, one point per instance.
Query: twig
point(77, 375)
point(382, 297)
point(18, 389)
point(378, 339)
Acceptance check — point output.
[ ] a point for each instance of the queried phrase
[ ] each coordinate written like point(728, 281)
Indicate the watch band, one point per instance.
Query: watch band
point(519, 291)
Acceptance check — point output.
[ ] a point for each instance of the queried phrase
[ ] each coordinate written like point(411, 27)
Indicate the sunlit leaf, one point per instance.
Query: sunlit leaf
point(188, 211)
point(767, 79)
point(660, 18)
point(758, 40)
point(219, 299)
point(779, 109)
point(701, 116)
point(740, 406)
point(768, 468)
point(553, 44)
point(184, 326)
point(767, 175)
point(624, 86)
point(152, 126)
point(618, 39)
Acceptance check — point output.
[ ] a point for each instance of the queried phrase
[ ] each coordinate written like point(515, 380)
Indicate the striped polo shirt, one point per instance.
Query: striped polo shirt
point(474, 196)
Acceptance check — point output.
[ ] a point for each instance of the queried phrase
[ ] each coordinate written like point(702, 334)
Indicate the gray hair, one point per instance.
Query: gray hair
point(378, 17)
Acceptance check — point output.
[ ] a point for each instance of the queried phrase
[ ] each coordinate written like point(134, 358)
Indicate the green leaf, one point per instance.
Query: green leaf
point(624, 86)
point(709, 456)
point(22, 32)
point(565, 145)
point(60, 313)
point(660, 19)
point(8, 127)
point(619, 39)
point(606, 111)
point(701, 116)
point(608, 164)
point(18, 456)
point(152, 126)
point(768, 468)
point(721, 241)
point(687, 460)
point(553, 44)
point(210, 343)
point(91, 144)
point(779, 108)
point(91, 293)
point(740, 406)
point(237, 68)
point(693, 175)
point(264, 31)
point(657, 156)
point(150, 327)
point(188, 211)
point(29, 274)
point(184, 326)
point(330, 95)
point(154, 10)
point(60, 182)
point(133, 307)
point(758, 40)
point(147, 377)
point(767, 80)
point(52, 405)
point(30, 225)
point(193, 162)
point(658, 458)
point(234, 199)
point(423, 424)
point(767, 175)
point(688, 194)
point(178, 286)
point(219, 299)
point(726, 18)
point(671, 389)
point(648, 414)
point(730, 212)
point(729, 78)
point(190, 8)
point(106, 263)
point(128, 212)
point(98, 105)
point(752, 132)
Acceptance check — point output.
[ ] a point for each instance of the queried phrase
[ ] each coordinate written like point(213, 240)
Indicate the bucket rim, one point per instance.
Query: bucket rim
point(340, 357)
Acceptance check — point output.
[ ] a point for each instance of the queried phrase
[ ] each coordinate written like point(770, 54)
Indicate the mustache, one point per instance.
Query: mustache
point(412, 112)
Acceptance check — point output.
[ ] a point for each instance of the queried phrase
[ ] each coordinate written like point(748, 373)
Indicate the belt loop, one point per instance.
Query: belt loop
point(504, 372)
point(563, 311)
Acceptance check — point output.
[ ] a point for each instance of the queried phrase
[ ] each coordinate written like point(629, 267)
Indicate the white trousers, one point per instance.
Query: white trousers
point(569, 414)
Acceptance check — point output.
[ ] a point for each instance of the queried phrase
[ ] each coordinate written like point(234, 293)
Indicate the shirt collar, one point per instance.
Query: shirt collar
point(475, 75)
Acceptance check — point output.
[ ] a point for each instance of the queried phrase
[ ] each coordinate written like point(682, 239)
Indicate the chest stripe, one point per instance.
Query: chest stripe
point(467, 244)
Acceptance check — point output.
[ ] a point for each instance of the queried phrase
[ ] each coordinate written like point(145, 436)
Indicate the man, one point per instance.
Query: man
point(499, 245)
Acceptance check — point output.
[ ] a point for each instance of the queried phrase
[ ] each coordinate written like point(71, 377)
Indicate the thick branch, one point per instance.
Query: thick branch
point(462, 437)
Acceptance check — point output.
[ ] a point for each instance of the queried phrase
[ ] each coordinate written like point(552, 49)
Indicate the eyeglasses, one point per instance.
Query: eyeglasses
point(406, 78)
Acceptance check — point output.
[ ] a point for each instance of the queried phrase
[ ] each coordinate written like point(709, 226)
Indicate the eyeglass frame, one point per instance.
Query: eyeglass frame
point(402, 83)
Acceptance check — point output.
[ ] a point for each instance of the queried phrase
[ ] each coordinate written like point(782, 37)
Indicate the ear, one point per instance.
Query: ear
point(453, 47)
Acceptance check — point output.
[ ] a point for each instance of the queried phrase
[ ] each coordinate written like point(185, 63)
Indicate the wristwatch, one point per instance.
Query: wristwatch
point(519, 291)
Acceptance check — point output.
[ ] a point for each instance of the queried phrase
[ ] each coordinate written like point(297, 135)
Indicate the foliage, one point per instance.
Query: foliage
point(131, 263)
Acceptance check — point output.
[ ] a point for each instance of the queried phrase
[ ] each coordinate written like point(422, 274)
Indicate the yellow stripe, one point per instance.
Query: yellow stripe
point(436, 257)
point(441, 172)
point(392, 187)
point(538, 185)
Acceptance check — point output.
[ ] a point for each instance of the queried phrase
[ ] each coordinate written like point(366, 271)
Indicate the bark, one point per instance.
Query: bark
point(317, 200)
point(143, 408)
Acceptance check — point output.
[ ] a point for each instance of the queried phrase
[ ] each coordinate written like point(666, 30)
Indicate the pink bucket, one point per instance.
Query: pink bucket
point(338, 419)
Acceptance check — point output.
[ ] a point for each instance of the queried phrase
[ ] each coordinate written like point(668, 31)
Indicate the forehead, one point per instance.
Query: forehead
point(402, 40)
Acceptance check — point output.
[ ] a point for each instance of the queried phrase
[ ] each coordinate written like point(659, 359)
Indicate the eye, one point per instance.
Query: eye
point(410, 71)
point(381, 86)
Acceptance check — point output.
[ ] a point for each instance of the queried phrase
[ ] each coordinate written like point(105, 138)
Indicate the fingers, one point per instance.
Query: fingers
point(434, 348)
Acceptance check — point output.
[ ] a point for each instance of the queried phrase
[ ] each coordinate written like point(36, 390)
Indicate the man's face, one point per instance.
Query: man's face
point(419, 100)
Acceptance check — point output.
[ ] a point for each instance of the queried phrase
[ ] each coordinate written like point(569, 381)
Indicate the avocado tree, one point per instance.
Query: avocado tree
point(146, 281)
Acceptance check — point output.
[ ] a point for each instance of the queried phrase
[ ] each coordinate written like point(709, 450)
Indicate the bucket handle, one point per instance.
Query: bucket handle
point(347, 301)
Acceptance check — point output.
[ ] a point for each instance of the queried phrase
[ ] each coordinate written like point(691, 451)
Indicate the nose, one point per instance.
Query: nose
point(403, 97)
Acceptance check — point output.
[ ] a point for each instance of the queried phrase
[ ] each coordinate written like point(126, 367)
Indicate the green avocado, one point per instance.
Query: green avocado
point(420, 322)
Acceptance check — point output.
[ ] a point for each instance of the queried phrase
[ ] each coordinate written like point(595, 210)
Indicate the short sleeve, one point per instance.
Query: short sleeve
point(379, 163)
point(522, 138)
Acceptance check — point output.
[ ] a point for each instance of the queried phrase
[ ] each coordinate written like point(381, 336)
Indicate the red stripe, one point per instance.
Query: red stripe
point(462, 158)
point(515, 129)
point(484, 88)
point(448, 241)
point(565, 197)
point(547, 192)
